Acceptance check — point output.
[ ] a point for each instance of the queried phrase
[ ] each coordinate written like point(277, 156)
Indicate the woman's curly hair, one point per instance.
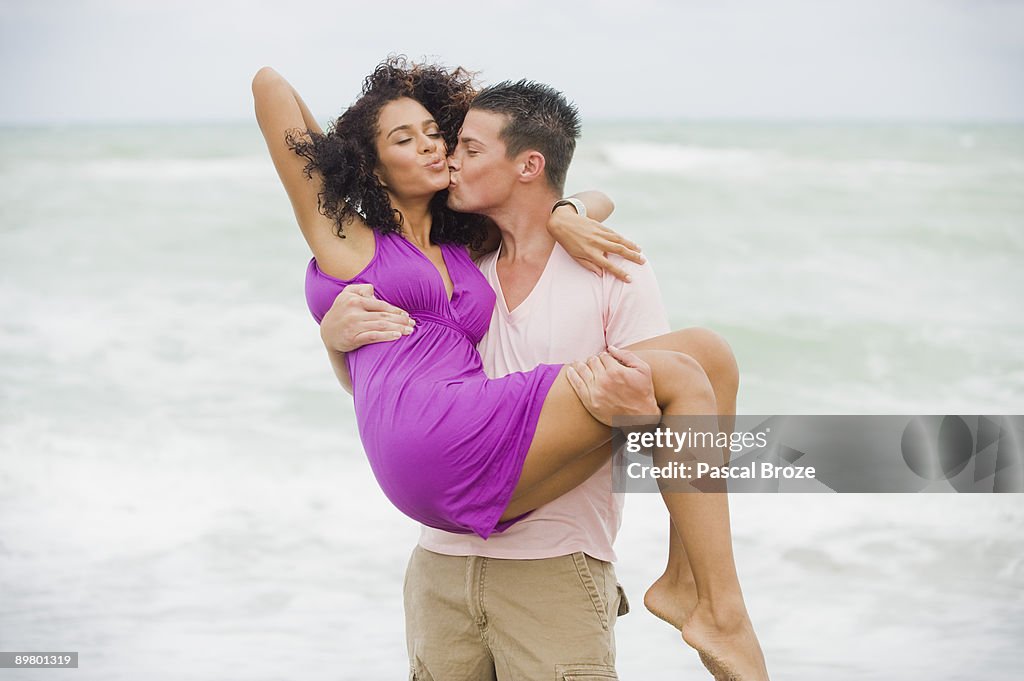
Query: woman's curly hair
point(346, 155)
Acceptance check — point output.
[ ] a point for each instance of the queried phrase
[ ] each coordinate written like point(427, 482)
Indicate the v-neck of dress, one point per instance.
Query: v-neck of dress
point(440, 276)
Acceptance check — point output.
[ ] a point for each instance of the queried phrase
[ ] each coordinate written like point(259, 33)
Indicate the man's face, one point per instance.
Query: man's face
point(482, 177)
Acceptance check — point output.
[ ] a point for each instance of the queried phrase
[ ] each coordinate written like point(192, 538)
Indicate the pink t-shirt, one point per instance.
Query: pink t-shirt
point(570, 314)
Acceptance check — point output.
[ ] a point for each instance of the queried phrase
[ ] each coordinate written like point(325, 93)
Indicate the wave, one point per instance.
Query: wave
point(641, 156)
point(177, 169)
point(678, 159)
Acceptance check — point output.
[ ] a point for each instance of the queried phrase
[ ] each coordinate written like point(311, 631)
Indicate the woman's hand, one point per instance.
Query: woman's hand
point(589, 242)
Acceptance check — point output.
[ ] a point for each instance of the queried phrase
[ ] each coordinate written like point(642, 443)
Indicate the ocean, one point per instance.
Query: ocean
point(182, 489)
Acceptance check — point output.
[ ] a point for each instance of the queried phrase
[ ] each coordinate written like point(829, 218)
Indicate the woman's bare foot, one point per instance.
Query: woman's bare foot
point(726, 642)
point(718, 671)
point(672, 599)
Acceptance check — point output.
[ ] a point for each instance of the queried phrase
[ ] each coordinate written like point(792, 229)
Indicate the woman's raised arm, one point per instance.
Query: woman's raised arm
point(280, 110)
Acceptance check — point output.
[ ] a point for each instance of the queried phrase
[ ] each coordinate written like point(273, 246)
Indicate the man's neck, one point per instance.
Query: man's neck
point(523, 222)
point(525, 244)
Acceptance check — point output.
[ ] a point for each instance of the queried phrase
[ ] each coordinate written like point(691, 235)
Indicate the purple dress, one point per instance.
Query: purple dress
point(446, 442)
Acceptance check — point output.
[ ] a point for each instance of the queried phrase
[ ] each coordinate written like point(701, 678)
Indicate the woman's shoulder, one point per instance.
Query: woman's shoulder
point(345, 257)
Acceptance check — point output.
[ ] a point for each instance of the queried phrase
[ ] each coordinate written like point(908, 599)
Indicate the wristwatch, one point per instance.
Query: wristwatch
point(581, 209)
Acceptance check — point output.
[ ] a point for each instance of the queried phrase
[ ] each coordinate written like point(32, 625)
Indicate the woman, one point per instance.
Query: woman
point(450, 447)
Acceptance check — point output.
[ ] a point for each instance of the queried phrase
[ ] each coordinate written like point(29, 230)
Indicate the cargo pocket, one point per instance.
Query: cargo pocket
point(623, 601)
point(585, 672)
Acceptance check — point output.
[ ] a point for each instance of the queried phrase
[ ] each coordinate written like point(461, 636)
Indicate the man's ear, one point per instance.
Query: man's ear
point(531, 166)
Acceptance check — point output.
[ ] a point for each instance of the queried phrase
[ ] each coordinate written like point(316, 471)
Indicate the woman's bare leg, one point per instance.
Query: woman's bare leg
point(719, 627)
point(710, 624)
point(717, 360)
point(715, 356)
point(568, 478)
point(710, 359)
point(673, 596)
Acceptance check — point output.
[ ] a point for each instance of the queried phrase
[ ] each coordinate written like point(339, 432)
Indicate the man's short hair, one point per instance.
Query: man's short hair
point(539, 117)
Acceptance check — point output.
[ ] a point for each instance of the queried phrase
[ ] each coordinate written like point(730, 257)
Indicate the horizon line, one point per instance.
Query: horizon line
point(196, 122)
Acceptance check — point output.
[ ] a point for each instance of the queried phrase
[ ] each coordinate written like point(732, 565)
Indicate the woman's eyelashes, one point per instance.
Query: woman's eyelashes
point(432, 135)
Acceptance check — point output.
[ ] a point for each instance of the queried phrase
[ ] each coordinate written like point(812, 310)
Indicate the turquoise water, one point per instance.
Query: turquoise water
point(178, 469)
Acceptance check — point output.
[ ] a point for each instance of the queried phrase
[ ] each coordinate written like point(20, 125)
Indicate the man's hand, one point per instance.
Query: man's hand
point(357, 318)
point(614, 384)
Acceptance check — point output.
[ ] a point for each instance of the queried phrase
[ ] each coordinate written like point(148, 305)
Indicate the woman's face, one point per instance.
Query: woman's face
point(411, 158)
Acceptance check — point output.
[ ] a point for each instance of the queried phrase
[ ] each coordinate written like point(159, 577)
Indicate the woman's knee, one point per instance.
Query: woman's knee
point(681, 382)
point(718, 359)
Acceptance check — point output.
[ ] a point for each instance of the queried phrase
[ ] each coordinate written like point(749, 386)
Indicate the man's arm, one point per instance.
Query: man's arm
point(340, 366)
point(356, 319)
point(617, 383)
point(635, 312)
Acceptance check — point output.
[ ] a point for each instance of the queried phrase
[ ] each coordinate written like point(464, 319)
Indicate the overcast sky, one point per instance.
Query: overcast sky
point(128, 60)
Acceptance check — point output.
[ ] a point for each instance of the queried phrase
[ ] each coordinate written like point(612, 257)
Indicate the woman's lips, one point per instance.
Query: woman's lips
point(439, 164)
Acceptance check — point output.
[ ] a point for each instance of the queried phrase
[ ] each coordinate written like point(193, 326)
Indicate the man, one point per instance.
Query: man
point(539, 600)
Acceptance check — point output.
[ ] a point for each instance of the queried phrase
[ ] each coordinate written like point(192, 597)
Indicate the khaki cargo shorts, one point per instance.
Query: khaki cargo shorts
point(469, 618)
